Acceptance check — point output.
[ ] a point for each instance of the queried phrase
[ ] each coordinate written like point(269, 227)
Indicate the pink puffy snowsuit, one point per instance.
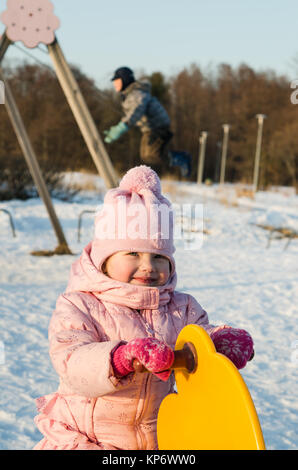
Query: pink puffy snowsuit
point(92, 409)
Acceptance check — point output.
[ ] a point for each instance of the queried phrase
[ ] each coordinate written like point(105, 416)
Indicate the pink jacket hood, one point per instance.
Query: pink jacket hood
point(85, 277)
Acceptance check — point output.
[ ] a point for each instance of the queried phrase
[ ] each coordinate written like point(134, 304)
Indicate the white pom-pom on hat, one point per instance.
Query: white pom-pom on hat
point(141, 177)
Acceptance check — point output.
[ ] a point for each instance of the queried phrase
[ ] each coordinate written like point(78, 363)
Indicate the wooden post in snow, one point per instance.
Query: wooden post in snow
point(260, 118)
point(202, 140)
point(226, 128)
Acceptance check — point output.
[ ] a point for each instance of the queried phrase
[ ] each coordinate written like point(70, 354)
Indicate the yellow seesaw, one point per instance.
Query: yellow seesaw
point(213, 408)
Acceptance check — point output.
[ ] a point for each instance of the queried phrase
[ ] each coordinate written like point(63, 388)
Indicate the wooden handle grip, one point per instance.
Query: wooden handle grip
point(185, 358)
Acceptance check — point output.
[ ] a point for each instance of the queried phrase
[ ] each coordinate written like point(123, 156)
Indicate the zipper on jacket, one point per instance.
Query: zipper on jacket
point(145, 385)
point(147, 381)
point(149, 328)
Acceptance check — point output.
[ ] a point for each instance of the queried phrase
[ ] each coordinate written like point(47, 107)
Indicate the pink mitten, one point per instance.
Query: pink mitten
point(155, 355)
point(236, 344)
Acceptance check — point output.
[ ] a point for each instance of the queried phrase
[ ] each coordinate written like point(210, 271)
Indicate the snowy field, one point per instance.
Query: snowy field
point(234, 276)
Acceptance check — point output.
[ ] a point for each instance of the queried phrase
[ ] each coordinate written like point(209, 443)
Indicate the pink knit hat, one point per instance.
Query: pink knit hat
point(134, 217)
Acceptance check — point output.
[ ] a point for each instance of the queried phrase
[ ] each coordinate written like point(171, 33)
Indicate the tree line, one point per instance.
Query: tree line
point(197, 100)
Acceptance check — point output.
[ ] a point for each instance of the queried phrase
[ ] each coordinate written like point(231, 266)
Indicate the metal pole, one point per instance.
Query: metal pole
point(82, 115)
point(32, 163)
point(226, 128)
point(260, 118)
point(202, 140)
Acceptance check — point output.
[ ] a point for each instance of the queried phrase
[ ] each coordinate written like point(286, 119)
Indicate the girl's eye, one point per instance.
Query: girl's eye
point(133, 253)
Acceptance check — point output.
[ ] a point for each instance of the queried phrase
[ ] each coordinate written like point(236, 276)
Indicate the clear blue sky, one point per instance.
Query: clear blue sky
point(168, 35)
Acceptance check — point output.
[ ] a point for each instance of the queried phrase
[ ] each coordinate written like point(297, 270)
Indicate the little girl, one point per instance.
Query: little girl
point(120, 305)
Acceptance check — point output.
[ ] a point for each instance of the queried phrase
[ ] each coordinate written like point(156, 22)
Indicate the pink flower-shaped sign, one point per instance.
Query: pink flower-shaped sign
point(30, 21)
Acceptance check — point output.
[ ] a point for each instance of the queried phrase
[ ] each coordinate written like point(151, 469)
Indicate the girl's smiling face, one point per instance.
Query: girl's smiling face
point(142, 269)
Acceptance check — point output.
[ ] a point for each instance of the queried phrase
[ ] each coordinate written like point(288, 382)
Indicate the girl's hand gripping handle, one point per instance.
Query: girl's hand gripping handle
point(154, 355)
point(185, 358)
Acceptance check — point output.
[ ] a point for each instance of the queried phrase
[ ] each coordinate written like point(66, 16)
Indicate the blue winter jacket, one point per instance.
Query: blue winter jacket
point(143, 110)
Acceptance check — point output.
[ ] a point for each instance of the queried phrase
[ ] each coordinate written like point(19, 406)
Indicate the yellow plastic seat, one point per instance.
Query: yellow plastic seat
point(213, 409)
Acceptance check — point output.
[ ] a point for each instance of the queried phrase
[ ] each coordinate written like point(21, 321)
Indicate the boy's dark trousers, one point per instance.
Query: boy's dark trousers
point(153, 151)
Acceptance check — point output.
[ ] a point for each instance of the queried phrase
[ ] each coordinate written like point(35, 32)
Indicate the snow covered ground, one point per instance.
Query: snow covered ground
point(234, 276)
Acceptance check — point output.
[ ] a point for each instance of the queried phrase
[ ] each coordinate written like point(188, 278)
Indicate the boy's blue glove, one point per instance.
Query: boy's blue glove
point(115, 132)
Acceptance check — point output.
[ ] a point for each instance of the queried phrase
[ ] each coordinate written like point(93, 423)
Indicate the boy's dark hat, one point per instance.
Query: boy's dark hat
point(124, 73)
